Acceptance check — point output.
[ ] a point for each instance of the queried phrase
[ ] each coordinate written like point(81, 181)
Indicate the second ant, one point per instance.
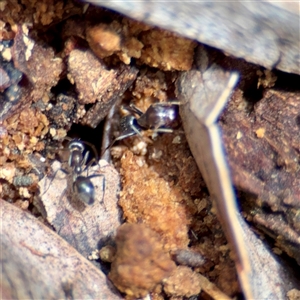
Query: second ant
point(162, 117)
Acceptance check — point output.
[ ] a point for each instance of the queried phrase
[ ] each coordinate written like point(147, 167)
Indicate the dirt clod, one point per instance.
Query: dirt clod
point(140, 262)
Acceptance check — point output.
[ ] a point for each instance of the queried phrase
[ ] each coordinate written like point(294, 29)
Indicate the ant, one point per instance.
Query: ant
point(77, 162)
point(159, 117)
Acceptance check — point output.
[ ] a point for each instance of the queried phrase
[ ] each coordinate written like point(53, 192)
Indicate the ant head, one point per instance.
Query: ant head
point(76, 145)
point(76, 159)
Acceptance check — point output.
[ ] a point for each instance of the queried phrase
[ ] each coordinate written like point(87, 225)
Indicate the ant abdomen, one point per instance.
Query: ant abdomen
point(84, 189)
point(158, 116)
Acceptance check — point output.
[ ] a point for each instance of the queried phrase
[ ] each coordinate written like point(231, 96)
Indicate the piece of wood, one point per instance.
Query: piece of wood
point(204, 96)
point(37, 264)
point(264, 33)
point(85, 227)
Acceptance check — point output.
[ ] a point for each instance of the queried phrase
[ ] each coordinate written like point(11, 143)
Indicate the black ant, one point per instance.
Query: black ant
point(159, 117)
point(82, 185)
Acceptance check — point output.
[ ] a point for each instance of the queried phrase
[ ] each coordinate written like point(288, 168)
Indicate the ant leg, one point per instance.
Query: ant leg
point(136, 130)
point(108, 147)
point(93, 149)
point(103, 187)
point(129, 126)
point(133, 109)
point(164, 130)
point(86, 165)
point(90, 163)
point(103, 190)
point(119, 138)
point(129, 129)
point(85, 158)
point(53, 177)
point(168, 103)
point(161, 130)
